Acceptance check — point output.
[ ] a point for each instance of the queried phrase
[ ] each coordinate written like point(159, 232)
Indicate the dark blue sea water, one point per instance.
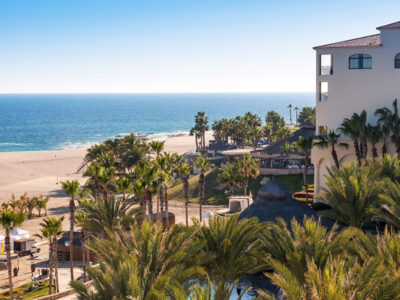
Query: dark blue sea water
point(59, 121)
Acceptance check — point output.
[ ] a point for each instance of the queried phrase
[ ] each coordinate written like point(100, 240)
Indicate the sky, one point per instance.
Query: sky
point(174, 46)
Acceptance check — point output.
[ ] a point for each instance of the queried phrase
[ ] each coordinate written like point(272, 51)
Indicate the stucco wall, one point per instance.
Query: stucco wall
point(353, 91)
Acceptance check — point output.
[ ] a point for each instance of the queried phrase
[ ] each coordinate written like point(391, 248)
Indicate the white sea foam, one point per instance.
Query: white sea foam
point(14, 144)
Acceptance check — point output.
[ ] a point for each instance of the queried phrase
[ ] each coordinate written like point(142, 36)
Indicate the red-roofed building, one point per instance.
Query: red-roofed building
point(352, 76)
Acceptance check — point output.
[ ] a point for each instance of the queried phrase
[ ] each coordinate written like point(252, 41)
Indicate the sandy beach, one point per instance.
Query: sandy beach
point(40, 172)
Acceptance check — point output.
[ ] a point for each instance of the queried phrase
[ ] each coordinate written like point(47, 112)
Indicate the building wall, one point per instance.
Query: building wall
point(352, 91)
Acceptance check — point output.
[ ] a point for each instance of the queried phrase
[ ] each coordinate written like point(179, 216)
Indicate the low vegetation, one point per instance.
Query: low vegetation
point(21, 292)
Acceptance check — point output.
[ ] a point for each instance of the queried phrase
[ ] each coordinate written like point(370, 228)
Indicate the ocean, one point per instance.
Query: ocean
point(61, 121)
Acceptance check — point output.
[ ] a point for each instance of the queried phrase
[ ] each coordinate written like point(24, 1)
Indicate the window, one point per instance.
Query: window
point(360, 61)
point(323, 130)
point(323, 91)
point(326, 64)
point(397, 61)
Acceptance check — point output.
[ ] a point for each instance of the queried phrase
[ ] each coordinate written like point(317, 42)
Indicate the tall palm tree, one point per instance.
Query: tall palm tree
point(351, 128)
point(9, 220)
point(51, 229)
point(199, 130)
point(392, 120)
point(352, 192)
point(330, 140)
point(304, 146)
point(247, 168)
point(72, 189)
point(290, 112)
point(297, 113)
point(203, 164)
point(149, 176)
point(184, 171)
point(373, 135)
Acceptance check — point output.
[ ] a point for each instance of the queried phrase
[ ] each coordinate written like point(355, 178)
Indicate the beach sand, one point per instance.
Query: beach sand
point(40, 172)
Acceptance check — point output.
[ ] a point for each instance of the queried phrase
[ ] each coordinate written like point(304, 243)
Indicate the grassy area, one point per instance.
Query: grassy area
point(215, 193)
point(37, 292)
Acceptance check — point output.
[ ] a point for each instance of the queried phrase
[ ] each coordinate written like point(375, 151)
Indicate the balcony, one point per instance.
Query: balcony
point(326, 70)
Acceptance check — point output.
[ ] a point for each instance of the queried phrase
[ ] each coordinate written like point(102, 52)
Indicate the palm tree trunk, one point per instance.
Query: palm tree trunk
point(186, 190)
point(357, 149)
point(335, 158)
point(374, 151)
point(384, 149)
point(201, 195)
point(149, 202)
point(86, 238)
point(83, 253)
point(197, 143)
point(9, 266)
point(365, 149)
point(158, 199)
point(246, 183)
point(162, 201)
point(55, 261)
point(71, 237)
point(166, 207)
point(51, 258)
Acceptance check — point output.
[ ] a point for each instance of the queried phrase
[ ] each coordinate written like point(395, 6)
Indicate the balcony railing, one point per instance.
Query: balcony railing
point(326, 70)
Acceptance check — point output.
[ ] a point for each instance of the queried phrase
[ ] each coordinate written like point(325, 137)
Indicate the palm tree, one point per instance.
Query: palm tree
point(203, 165)
point(370, 280)
point(230, 177)
point(139, 191)
point(290, 111)
point(352, 192)
point(373, 135)
point(247, 168)
point(124, 186)
point(101, 215)
point(353, 128)
point(157, 147)
point(145, 263)
point(149, 173)
point(232, 246)
point(199, 130)
point(51, 229)
point(298, 243)
point(72, 189)
point(392, 120)
point(330, 140)
point(30, 205)
point(42, 204)
point(304, 146)
point(389, 210)
point(184, 171)
point(297, 113)
point(9, 220)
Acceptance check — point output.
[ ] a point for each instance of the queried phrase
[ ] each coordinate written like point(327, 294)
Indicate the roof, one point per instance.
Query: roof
point(370, 41)
point(275, 148)
point(220, 146)
point(395, 25)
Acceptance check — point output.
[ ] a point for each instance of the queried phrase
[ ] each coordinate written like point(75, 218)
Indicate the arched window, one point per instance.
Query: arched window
point(360, 61)
point(397, 61)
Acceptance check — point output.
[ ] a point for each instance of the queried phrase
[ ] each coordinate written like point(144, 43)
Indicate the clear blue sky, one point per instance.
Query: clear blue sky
point(174, 46)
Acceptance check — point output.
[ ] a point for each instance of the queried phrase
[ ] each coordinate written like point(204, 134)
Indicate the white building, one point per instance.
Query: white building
point(352, 76)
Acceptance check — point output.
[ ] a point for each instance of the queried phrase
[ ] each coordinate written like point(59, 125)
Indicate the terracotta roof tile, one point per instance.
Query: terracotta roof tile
point(366, 41)
point(395, 25)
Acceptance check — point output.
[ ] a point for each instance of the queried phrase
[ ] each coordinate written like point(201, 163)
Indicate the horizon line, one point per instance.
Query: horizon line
point(131, 93)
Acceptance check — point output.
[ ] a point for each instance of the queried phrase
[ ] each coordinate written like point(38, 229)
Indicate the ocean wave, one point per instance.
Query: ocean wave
point(74, 145)
point(13, 144)
point(161, 135)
